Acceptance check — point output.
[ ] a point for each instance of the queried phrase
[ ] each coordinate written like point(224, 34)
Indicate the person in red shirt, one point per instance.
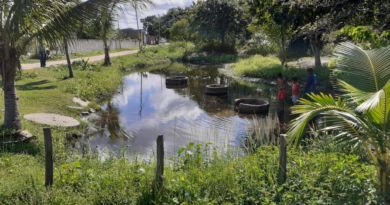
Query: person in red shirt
point(295, 90)
point(281, 98)
point(281, 83)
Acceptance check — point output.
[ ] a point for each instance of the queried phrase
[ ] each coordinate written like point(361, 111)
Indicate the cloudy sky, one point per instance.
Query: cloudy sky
point(127, 15)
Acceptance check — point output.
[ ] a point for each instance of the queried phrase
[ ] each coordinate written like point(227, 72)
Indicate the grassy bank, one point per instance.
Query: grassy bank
point(54, 57)
point(268, 67)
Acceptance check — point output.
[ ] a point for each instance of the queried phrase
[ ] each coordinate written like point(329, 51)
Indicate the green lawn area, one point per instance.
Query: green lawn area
point(319, 176)
point(73, 55)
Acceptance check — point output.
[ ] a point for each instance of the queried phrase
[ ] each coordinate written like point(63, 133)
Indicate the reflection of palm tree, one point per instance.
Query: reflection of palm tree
point(142, 75)
point(111, 120)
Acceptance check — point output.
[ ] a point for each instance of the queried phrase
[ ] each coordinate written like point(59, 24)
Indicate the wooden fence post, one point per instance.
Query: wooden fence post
point(282, 159)
point(48, 157)
point(160, 162)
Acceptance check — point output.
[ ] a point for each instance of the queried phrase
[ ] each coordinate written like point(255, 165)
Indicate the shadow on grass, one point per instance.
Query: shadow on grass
point(30, 148)
point(36, 86)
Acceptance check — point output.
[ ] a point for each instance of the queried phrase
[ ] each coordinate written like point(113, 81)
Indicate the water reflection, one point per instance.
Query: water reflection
point(145, 108)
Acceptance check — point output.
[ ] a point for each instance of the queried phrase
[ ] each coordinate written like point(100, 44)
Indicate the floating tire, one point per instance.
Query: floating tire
point(251, 106)
point(176, 81)
point(216, 89)
point(168, 86)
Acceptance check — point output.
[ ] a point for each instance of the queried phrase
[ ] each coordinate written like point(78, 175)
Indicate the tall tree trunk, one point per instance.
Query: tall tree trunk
point(316, 49)
point(107, 60)
point(11, 111)
point(69, 63)
point(283, 50)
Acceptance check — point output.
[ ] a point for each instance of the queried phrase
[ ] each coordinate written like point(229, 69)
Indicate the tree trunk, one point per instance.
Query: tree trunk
point(69, 63)
point(11, 111)
point(316, 49)
point(107, 60)
point(283, 50)
point(384, 180)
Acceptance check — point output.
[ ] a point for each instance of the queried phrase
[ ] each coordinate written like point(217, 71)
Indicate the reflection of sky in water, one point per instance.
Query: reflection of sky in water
point(165, 112)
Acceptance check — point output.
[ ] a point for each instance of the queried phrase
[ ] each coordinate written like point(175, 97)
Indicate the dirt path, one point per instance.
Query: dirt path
point(90, 59)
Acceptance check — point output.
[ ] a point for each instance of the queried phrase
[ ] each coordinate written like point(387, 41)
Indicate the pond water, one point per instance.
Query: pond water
point(145, 108)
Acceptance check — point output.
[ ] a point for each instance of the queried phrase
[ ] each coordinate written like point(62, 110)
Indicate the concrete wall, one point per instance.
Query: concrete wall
point(84, 45)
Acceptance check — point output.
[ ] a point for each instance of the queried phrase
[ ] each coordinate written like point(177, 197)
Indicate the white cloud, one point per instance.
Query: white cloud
point(127, 15)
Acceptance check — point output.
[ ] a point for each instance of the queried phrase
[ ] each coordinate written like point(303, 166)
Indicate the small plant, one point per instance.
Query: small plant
point(84, 65)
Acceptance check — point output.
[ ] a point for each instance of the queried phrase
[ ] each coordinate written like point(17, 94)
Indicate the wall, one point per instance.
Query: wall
point(84, 45)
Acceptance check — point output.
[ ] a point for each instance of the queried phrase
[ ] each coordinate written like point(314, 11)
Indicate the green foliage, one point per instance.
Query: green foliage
point(259, 48)
point(180, 30)
point(198, 178)
point(362, 117)
point(366, 36)
point(218, 24)
point(209, 59)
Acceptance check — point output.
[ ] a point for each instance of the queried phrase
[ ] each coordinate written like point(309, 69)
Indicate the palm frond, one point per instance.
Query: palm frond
point(377, 108)
point(367, 71)
point(336, 111)
point(66, 19)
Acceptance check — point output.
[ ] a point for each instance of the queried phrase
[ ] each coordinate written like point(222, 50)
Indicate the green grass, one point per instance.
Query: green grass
point(313, 178)
point(258, 66)
point(268, 67)
point(54, 57)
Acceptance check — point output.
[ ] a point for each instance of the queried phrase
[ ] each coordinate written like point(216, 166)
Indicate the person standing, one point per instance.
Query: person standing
point(311, 82)
point(281, 97)
point(42, 57)
point(295, 90)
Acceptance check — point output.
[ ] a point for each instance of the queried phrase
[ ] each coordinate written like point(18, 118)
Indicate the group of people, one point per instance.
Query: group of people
point(310, 87)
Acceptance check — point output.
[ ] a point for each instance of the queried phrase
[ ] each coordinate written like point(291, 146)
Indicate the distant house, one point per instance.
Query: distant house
point(129, 33)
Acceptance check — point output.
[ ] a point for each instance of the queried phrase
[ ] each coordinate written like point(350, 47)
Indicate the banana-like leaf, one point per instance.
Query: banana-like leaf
point(367, 71)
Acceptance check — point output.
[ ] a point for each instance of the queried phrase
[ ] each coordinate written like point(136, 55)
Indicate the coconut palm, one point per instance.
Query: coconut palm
point(104, 25)
point(361, 116)
point(138, 5)
point(20, 22)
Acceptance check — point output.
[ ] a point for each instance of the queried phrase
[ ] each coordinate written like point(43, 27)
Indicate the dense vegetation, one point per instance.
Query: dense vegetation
point(314, 178)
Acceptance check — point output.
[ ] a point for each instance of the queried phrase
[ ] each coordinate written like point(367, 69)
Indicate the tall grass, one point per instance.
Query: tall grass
point(263, 131)
point(313, 178)
point(258, 66)
point(268, 67)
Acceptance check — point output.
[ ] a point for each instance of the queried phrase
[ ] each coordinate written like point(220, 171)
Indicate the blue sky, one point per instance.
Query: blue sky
point(127, 15)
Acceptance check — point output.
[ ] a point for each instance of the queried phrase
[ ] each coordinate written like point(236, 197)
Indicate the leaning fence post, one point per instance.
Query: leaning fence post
point(282, 159)
point(48, 157)
point(160, 162)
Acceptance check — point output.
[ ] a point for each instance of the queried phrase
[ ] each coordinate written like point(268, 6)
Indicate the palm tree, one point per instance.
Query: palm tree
point(20, 22)
point(138, 5)
point(361, 116)
point(68, 61)
point(105, 22)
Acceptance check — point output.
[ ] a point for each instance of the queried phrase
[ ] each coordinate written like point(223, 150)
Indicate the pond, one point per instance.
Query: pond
point(144, 108)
